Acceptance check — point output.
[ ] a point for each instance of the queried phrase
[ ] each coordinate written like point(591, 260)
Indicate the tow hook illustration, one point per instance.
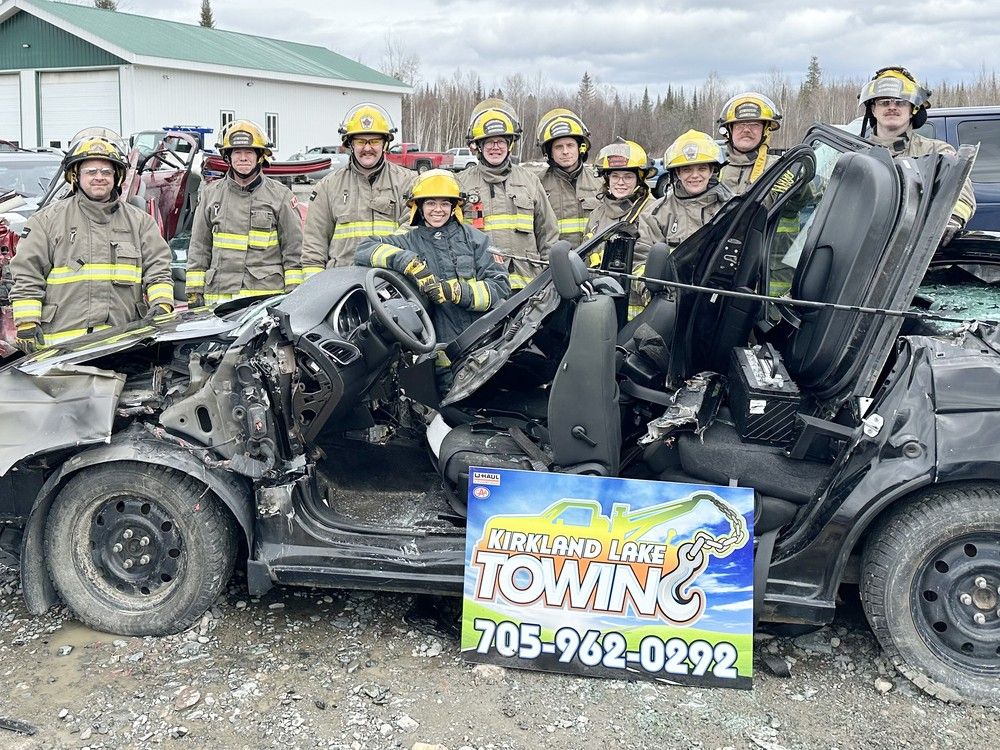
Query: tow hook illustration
point(610, 567)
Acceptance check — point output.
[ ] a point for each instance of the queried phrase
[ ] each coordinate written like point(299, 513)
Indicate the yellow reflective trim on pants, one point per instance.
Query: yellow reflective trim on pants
point(195, 279)
point(27, 310)
point(383, 254)
point(263, 239)
point(230, 241)
point(962, 210)
point(60, 337)
point(517, 281)
point(350, 229)
point(634, 310)
point(509, 221)
point(120, 272)
point(573, 225)
point(788, 225)
point(480, 295)
point(161, 290)
point(640, 270)
point(218, 298)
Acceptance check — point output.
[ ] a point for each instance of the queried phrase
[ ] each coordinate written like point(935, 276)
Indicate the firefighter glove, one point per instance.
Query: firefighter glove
point(954, 227)
point(29, 337)
point(196, 299)
point(158, 308)
point(426, 282)
point(452, 291)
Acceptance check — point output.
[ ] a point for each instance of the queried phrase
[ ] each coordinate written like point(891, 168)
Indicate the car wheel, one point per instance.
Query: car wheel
point(136, 549)
point(931, 591)
point(422, 167)
point(660, 189)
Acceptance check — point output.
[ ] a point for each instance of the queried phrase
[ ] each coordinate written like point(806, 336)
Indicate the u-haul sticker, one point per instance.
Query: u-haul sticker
point(486, 477)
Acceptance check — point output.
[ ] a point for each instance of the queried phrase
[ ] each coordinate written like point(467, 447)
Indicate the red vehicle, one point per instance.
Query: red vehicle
point(410, 155)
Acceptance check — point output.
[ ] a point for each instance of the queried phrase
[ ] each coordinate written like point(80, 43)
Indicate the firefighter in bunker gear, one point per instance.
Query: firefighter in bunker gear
point(695, 195)
point(366, 198)
point(895, 106)
point(505, 200)
point(453, 264)
point(89, 261)
point(747, 121)
point(624, 168)
point(246, 240)
point(571, 186)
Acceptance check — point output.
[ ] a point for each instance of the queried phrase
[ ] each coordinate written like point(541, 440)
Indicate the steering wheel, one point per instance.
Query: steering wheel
point(402, 314)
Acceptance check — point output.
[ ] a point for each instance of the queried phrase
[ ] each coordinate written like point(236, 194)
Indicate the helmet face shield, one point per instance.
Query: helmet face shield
point(366, 119)
point(896, 83)
point(96, 143)
point(491, 118)
point(435, 183)
point(750, 107)
point(693, 147)
point(625, 155)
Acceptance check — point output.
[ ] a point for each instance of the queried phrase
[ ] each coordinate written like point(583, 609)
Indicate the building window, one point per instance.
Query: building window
point(271, 125)
point(55, 144)
point(227, 117)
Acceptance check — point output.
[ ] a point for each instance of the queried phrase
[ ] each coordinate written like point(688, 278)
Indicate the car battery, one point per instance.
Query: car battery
point(763, 399)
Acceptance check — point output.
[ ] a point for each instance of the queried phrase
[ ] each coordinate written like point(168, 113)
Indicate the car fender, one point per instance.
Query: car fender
point(39, 593)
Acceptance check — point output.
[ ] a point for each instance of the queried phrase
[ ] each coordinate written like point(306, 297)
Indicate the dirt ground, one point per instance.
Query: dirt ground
point(335, 669)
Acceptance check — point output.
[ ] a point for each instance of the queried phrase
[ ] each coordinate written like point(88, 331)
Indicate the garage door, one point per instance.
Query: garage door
point(10, 108)
point(73, 101)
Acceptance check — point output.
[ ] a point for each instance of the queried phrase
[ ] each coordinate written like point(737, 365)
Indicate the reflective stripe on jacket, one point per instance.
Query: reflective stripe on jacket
point(735, 175)
point(348, 206)
point(455, 251)
point(512, 208)
point(245, 242)
point(573, 199)
point(82, 266)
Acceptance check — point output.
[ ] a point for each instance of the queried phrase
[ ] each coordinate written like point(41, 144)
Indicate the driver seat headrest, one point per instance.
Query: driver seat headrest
point(569, 271)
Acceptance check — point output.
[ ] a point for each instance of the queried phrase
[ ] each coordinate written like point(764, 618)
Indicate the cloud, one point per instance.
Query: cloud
point(739, 606)
point(631, 46)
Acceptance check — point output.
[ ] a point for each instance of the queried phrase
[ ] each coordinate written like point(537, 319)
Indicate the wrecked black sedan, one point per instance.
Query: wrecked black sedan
point(309, 438)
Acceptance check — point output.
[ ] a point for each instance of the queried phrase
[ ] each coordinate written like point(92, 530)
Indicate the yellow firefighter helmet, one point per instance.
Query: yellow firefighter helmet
point(435, 183)
point(96, 143)
point(753, 107)
point(625, 154)
point(895, 82)
point(493, 117)
point(562, 123)
point(245, 134)
point(366, 119)
point(693, 147)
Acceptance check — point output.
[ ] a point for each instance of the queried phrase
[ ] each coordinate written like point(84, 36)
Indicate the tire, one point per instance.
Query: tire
point(189, 539)
point(661, 185)
point(929, 569)
point(422, 166)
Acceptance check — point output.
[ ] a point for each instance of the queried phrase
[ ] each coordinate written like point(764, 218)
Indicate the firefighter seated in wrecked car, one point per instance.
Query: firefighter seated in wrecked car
point(452, 264)
point(91, 260)
point(246, 240)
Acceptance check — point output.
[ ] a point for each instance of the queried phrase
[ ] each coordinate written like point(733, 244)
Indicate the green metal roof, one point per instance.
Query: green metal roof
point(153, 37)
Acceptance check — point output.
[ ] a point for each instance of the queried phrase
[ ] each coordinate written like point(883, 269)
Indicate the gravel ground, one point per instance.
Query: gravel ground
point(330, 669)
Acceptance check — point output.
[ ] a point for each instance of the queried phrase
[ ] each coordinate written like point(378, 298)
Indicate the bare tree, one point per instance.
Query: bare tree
point(106, 4)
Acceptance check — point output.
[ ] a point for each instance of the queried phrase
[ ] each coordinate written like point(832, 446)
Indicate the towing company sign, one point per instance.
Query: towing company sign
point(610, 577)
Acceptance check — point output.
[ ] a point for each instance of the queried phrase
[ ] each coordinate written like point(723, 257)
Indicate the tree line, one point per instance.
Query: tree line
point(436, 114)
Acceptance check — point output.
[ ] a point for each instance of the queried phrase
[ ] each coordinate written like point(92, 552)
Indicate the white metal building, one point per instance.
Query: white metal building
point(66, 67)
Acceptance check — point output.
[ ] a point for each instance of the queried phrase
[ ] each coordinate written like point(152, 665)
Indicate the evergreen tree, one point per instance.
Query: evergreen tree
point(585, 93)
point(207, 19)
point(106, 4)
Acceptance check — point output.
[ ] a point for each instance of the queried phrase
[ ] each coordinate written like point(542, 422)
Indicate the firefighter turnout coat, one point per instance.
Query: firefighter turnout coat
point(348, 206)
point(674, 218)
point(735, 174)
point(455, 251)
point(510, 205)
point(914, 144)
point(573, 196)
point(82, 266)
point(245, 242)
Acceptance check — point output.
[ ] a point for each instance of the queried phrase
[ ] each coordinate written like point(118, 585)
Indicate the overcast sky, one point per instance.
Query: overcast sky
point(630, 45)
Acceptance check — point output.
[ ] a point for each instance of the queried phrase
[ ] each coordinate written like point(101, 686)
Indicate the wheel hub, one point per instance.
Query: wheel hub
point(135, 545)
point(958, 599)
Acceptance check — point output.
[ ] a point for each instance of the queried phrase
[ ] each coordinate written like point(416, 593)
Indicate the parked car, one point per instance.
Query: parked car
point(462, 158)
point(339, 159)
point(276, 433)
point(411, 156)
point(976, 125)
